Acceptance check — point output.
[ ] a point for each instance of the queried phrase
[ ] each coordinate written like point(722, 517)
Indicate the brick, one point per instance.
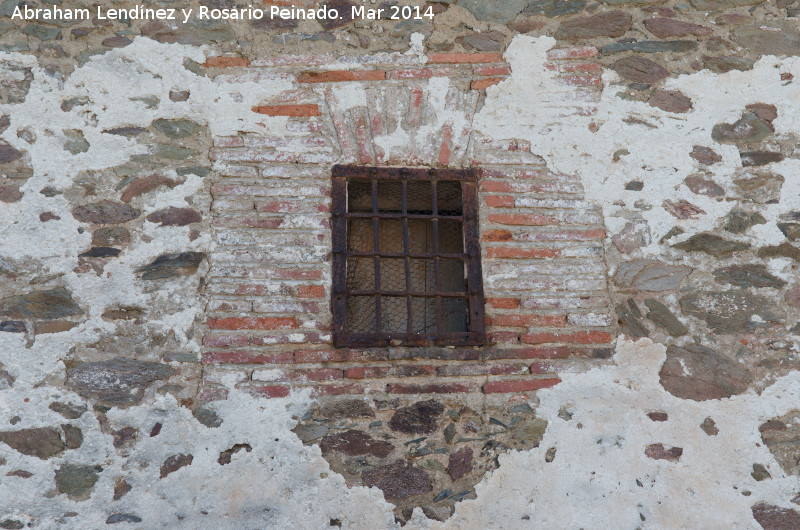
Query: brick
point(578, 52)
point(212, 394)
point(336, 390)
point(224, 341)
point(597, 234)
point(221, 61)
point(320, 356)
point(414, 370)
point(431, 388)
point(337, 76)
point(497, 235)
point(247, 357)
point(251, 155)
point(528, 320)
point(561, 352)
point(465, 58)
point(234, 323)
point(366, 372)
point(503, 303)
point(294, 338)
point(277, 306)
point(517, 219)
point(230, 306)
point(493, 70)
point(483, 84)
point(578, 337)
point(228, 141)
point(289, 207)
point(522, 253)
point(292, 111)
point(499, 201)
point(268, 391)
point(481, 369)
point(422, 73)
point(314, 374)
point(311, 291)
point(580, 80)
point(518, 385)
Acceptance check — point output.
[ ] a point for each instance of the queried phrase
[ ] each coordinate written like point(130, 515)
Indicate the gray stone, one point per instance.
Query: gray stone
point(670, 101)
point(100, 252)
point(670, 27)
point(174, 463)
point(12, 326)
point(751, 275)
point(784, 250)
point(176, 128)
point(732, 311)
point(649, 46)
point(661, 316)
point(715, 5)
point(123, 518)
point(722, 64)
point(42, 33)
point(41, 442)
point(15, 81)
point(48, 305)
point(704, 155)
point(630, 2)
point(554, 8)
point(760, 473)
point(634, 235)
point(746, 130)
point(790, 230)
point(347, 408)
point(125, 131)
point(171, 265)
point(172, 152)
point(105, 212)
point(649, 275)
point(759, 158)
point(711, 244)
point(207, 417)
point(739, 221)
point(118, 381)
point(399, 480)
point(608, 24)
point(531, 432)
point(178, 95)
point(640, 70)
point(8, 153)
point(497, 12)
point(419, 418)
point(310, 432)
point(698, 373)
point(76, 480)
point(68, 410)
point(112, 236)
point(74, 142)
point(765, 40)
point(487, 41)
point(628, 322)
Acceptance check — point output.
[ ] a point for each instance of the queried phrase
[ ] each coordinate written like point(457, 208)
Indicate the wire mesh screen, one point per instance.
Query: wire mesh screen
point(407, 274)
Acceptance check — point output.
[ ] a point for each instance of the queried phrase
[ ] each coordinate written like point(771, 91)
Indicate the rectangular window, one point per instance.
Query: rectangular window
point(406, 260)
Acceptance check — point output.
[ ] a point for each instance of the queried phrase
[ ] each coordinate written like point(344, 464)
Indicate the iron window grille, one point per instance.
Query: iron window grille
point(406, 258)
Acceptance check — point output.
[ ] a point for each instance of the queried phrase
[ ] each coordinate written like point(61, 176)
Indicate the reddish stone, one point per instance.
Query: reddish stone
point(705, 155)
point(10, 193)
point(399, 480)
point(682, 209)
point(640, 70)
point(658, 416)
point(173, 216)
point(294, 111)
point(698, 373)
point(465, 58)
point(460, 463)
point(764, 111)
point(657, 452)
point(772, 517)
point(670, 101)
point(174, 463)
point(419, 418)
point(667, 27)
point(142, 185)
point(355, 443)
point(234, 323)
point(226, 62)
point(519, 385)
point(610, 24)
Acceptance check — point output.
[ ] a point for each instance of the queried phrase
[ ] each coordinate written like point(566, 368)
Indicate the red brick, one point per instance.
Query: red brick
point(504, 337)
point(336, 76)
point(295, 274)
point(431, 388)
point(224, 341)
point(578, 52)
point(444, 149)
point(581, 80)
point(483, 84)
point(518, 385)
point(414, 370)
point(528, 320)
point(421, 73)
point(366, 372)
point(503, 303)
point(336, 390)
point(294, 111)
point(497, 235)
point(481, 369)
point(315, 374)
point(280, 207)
point(518, 219)
point(522, 253)
point(248, 222)
point(493, 70)
point(296, 338)
point(311, 291)
point(228, 141)
point(320, 356)
point(578, 337)
point(247, 357)
point(561, 352)
point(499, 201)
point(581, 67)
point(212, 394)
point(465, 58)
point(226, 62)
point(544, 368)
point(252, 323)
point(268, 391)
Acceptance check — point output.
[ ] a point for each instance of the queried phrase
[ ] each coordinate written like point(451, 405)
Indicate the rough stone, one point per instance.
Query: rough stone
point(174, 463)
point(123, 313)
point(554, 8)
point(649, 46)
point(670, 101)
point(629, 324)
point(531, 432)
point(634, 235)
point(661, 316)
point(118, 381)
point(711, 244)
point(709, 427)
point(419, 418)
point(345, 9)
point(74, 142)
point(460, 463)
point(784, 250)
point(8, 153)
point(760, 473)
point(698, 373)
point(173, 216)
point(705, 155)
point(488, 41)
point(354, 443)
point(310, 432)
point(399, 480)
point(176, 128)
point(790, 230)
point(715, 5)
point(143, 185)
point(608, 24)
point(178, 95)
point(347, 408)
point(68, 410)
point(41, 442)
point(682, 209)
point(722, 64)
point(775, 38)
point(123, 517)
point(100, 252)
point(76, 480)
point(105, 213)
point(739, 221)
point(497, 12)
point(226, 456)
point(125, 131)
point(748, 129)
point(669, 27)
point(772, 517)
point(12, 326)
point(196, 32)
point(765, 111)
point(657, 452)
point(759, 158)
point(782, 438)
point(10, 193)
point(658, 416)
point(121, 487)
point(732, 311)
point(49, 304)
point(172, 265)
point(649, 275)
point(112, 236)
point(207, 417)
point(640, 70)
point(750, 275)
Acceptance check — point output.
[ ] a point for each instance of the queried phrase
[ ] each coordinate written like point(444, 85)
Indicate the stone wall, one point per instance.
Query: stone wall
point(165, 268)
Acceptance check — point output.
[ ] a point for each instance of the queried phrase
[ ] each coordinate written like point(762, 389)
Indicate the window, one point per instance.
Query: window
point(406, 260)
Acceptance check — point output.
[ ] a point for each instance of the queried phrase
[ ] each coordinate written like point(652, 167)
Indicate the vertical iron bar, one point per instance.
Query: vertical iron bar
point(437, 283)
point(376, 259)
point(406, 259)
